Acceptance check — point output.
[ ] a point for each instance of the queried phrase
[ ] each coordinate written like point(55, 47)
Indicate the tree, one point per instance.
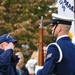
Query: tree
point(21, 19)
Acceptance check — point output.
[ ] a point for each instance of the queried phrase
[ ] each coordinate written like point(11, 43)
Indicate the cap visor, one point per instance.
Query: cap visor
point(13, 41)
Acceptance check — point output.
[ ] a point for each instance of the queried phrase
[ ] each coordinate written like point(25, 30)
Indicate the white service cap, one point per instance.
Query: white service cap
point(57, 19)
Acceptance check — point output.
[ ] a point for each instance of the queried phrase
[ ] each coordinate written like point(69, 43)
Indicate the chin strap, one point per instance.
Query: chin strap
point(55, 29)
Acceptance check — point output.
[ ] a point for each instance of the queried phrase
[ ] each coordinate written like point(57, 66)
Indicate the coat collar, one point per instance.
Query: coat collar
point(62, 37)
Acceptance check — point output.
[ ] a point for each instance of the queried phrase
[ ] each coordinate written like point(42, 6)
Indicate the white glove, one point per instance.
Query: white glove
point(37, 68)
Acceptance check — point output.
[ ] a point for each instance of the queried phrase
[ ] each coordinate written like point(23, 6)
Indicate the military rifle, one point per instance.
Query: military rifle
point(40, 51)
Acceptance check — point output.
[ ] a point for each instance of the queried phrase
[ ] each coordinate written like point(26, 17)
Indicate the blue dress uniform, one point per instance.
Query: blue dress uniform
point(67, 64)
point(60, 58)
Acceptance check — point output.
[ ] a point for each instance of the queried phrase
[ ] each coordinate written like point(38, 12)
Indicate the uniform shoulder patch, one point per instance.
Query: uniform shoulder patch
point(49, 55)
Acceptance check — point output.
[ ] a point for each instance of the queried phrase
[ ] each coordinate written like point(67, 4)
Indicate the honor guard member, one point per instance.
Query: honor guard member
point(60, 57)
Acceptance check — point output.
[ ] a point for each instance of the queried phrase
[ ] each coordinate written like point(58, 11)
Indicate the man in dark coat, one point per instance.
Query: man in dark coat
point(60, 57)
point(8, 61)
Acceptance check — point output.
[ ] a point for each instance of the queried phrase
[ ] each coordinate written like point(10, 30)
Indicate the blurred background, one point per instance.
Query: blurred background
point(21, 19)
